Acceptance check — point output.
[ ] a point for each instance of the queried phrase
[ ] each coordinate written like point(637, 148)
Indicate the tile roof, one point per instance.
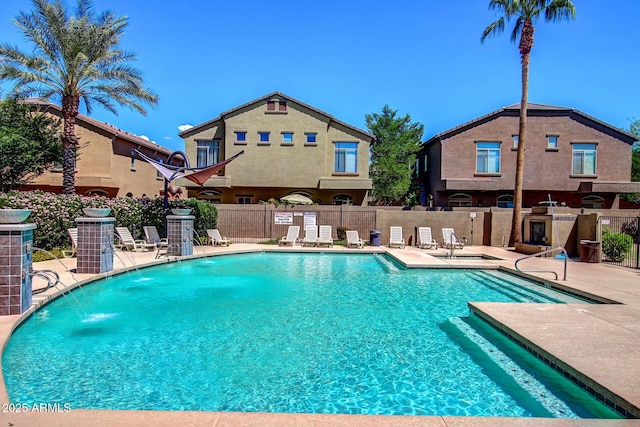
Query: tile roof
point(533, 107)
point(134, 139)
point(276, 94)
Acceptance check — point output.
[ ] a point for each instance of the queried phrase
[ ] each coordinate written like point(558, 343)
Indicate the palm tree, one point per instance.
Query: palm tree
point(525, 13)
point(75, 56)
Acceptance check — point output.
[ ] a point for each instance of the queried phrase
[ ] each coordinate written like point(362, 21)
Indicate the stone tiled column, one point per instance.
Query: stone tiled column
point(180, 234)
point(16, 248)
point(95, 245)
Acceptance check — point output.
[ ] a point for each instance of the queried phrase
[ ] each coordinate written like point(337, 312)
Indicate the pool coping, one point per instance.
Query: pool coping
point(409, 257)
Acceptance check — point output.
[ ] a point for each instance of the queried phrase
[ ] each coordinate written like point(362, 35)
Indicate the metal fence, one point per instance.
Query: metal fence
point(629, 253)
point(256, 225)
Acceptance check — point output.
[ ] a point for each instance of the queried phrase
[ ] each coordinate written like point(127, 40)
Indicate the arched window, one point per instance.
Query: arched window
point(212, 196)
point(459, 200)
point(504, 201)
point(342, 199)
point(593, 202)
point(96, 192)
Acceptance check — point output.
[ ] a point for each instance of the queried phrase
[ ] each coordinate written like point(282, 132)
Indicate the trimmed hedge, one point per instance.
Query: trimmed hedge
point(53, 214)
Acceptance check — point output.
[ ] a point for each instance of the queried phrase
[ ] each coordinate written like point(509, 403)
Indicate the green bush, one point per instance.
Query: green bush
point(53, 214)
point(615, 245)
point(342, 232)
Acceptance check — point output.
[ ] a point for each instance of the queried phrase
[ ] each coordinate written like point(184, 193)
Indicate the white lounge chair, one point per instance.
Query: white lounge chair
point(291, 237)
point(129, 243)
point(310, 235)
point(450, 239)
point(73, 235)
point(162, 244)
point(396, 238)
point(216, 238)
point(325, 237)
point(426, 240)
point(353, 239)
point(152, 235)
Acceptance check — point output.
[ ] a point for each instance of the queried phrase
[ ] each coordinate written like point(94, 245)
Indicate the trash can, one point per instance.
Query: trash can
point(375, 237)
point(589, 251)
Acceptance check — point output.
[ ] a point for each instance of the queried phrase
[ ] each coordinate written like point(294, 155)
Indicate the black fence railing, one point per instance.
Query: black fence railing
point(256, 225)
point(620, 240)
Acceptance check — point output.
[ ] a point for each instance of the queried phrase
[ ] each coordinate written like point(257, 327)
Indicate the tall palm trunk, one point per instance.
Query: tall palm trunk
point(70, 106)
point(526, 43)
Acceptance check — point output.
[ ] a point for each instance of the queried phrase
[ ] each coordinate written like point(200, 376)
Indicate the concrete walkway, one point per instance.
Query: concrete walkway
point(597, 345)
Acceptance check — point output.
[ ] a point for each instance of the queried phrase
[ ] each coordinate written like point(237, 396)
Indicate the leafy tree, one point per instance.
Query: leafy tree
point(29, 143)
point(73, 57)
point(393, 153)
point(525, 13)
point(634, 128)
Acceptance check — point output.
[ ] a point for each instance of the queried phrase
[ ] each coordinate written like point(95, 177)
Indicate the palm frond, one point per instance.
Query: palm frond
point(494, 29)
point(560, 10)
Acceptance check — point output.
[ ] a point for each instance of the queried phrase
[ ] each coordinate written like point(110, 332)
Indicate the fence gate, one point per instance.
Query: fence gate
point(620, 238)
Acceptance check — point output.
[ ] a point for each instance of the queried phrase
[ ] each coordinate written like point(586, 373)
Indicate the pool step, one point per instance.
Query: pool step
point(537, 292)
point(541, 394)
point(510, 288)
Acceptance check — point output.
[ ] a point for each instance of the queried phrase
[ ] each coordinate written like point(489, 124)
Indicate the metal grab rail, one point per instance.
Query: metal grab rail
point(548, 251)
point(51, 277)
point(453, 235)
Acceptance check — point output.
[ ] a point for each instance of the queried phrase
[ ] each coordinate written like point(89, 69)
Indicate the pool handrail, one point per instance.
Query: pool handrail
point(548, 251)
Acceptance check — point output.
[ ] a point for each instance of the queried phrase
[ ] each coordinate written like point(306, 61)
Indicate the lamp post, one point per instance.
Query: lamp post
point(472, 215)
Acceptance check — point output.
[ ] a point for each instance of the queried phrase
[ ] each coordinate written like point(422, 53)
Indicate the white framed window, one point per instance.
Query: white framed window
point(287, 137)
point(592, 202)
point(207, 152)
point(346, 157)
point(263, 137)
point(487, 157)
point(158, 174)
point(552, 142)
point(516, 139)
point(459, 199)
point(584, 159)
point(311, 137)
point(342, 199)
point(241, 136)
point(244, 200)
point(504, 201)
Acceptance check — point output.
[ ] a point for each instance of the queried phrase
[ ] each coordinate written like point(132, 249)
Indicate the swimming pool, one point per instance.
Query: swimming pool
point(319, 333)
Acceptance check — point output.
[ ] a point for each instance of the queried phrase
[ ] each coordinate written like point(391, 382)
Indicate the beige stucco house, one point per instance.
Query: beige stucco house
point(104, 164)
point(289, 148)
point(580, 161)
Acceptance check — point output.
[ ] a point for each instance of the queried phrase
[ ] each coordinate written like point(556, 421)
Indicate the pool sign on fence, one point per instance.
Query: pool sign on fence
point(283, 218)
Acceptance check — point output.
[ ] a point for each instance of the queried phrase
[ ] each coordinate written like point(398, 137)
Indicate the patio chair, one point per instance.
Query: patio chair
point(396, 238)
point(310, 235)
point(426, 240)
point(325, 236)
point(216, 238)
point(73, 235)
point(162, 244)
point(129, 243)
point(450, 239)
point(152, 235)
point(353, 239)
point(291, 237)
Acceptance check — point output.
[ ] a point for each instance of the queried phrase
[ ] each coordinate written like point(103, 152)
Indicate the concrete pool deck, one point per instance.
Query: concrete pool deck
point(598, 345)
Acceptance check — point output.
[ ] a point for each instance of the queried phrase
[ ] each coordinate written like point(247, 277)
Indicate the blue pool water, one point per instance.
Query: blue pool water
point(313, 333)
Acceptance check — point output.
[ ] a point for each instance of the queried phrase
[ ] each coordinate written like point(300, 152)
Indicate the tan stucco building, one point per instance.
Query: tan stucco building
point(105, 165)
point(579, 160)
point(289, 148)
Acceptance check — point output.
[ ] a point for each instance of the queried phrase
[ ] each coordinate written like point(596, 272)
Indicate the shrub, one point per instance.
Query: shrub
point(342, 232)
point(53, 214)
point(615, 245)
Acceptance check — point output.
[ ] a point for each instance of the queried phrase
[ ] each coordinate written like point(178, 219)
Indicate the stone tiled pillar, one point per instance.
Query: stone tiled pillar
point(95, 245)
point(180, 234)
point(16, 248)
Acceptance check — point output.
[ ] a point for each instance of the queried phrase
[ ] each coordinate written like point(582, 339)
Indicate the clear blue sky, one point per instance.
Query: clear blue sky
point(351, 57)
